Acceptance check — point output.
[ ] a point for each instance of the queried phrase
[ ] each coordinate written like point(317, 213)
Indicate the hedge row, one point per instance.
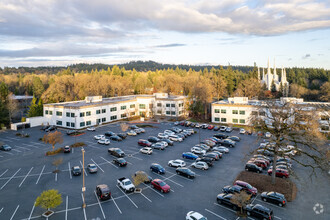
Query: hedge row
point(78, 144)
point(57, 151)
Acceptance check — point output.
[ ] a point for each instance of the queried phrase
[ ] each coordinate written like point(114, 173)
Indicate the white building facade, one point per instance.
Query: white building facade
point(95, 110)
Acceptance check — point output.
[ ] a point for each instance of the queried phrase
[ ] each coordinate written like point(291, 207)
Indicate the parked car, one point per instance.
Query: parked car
point(234, 138)
point(176, 163)
point(157, 168)
point(116, 138)
point(120, 162)
point(103, 192)
point(207, 160)
point(226, 199)
point(221, 149)
point(109, 133)
point(91, 129)
point(216, 140)
point(162, 135)
point(195, 216)
point(228, 143)
point(229, 129)
point(175, 138)
point(133, 127)
point(76, 171)
point(274, 197)
point(252, 167)
point(104, 141)
point(5, 147)
point(163, 143)
point(223, 128)
point(146, 150)
point(198, 150)
point(158, 146)
point(183, 171)
point(122, 135)
point(189, 155)
point(137, 131)
point(160, 185)
point(212, 155)
point(141, 130)
point(148, 178)
point(168, 141)
point(265, 152)
point(204, 126)
point(126, 184)
point(169, 132)
point(216, 152)
point(176, 123)
point(279, 173)
point(220, 135)
point(259, 211)
point(210, 127)
point(131, 133)
point(232, 189)
point(260, 163)
point(153, 139)
point(268, 135)
point(143, 142)
point(200, 165)
point(216, 128)
point(98, 137)
point(197, 125)
point(289, 165)
point(51, 128)
point(203, 146)
point(117, 152)
point(247, 187)
point(71, 132)
point(92, 168)
point(66, 149)
point(180, 135)
point(45, 127)
point(242, 131)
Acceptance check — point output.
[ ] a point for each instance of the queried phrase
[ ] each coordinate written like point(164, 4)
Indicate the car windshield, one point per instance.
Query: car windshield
point(249, 186)
point(76, 169)
point(162, 184)
point(92, 166)
point(128, 182)
point(121, 160)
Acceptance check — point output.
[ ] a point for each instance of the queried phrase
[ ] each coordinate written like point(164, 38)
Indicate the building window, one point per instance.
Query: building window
point(88, 113)
point(235, 112)
point(235, 120)
point(216, 119)
point(132, 113)
point(241, 112)
point(72, 115)
point(242, 121)
point(123, 107)
point(223, 119)
point(46, 112)
point(180, 104)
point(68, 124)
point(82, 124)
point(51, 112)
point(142, 106)
point(123, 115)
point(72, 125)
point(58, 122)
point(168, 112)
point(104, 110)
point(216, 110)
point(173, 113)
point(168, 105)
point(58, 113)
point(223, 111)
point(68, 114)
point(159, 104)
point(114, 117)
point(180, 112)
point(104, 119)
point(113, 109)
point(132, 106)
point(173, 105)
point(98, 112)
point(159, 112)
point(82, 114)
point(98, 121)
point(88, 123)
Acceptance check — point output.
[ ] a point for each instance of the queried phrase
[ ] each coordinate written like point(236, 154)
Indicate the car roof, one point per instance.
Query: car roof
point(261, 207)
point(196, 215)
point(76, 167)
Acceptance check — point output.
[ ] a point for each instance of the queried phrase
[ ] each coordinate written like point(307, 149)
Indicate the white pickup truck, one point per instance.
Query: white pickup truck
point(126, 184)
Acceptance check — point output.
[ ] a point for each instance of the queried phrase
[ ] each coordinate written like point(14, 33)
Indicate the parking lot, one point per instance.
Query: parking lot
point(25, 172)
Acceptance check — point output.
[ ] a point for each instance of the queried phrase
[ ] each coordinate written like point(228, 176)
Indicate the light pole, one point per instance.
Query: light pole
point(83, 188)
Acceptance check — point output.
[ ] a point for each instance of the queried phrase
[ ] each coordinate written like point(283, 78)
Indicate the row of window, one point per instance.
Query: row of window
point(234, 120)
point(234, 112)
point(169, 105)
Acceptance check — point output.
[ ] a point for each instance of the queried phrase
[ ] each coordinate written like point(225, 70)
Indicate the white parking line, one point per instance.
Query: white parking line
point(127, 196)
point(3, 173)
point(116, 205)
point(29, 145)
point(1, 209)
point(109, 162)
point(31, 211)
point(83, 168)
point(14, 213)
point(131, 156)
point(215, 214)
point(66, 208)
point(277, 217)
point(55, 177)
point(99, 204)
point(40, 174)
point(224, 207)
point(16, 139)
point(36, 143)
point(72, 150)
point(145, 197)
point(69, 170)
point(97, 165)
point(84, 209)
point(168, 178)
point(10, 179)
point(186, 178)
point(17, 150)
point(25, 177)
point(8, 153)
point(5, 140)
point(153, 190)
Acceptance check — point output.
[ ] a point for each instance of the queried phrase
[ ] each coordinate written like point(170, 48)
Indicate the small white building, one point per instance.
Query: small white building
point(96, 110)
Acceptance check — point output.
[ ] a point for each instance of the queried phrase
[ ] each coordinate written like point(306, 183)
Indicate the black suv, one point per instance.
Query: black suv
point(252, 167)
point(109, 133)
point(116, 138)
point(220, 135)
point(153, 139)
point(228, 143)
point(258, 211)
point(225, 199)
point(117, 152)
point(207, 160)
point(274, 197)
point(122, 135)
point(232, 189)
point(183, 171)
point(103, 192)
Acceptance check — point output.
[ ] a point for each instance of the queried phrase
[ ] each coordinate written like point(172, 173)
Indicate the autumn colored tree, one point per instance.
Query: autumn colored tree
point(53, 138)
point(241, 200)
point(139, 177)
point(49, 199)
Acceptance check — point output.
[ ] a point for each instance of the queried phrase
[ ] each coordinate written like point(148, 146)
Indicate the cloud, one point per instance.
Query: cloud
point(170, 45)
point(306, 56)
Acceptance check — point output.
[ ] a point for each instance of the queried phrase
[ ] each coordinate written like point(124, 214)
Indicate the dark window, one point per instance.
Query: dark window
point(168, 104)
point(98, 112)
point(159, 104)
point(104, 119)
point(82, 124)
point(88, 122)
point(68, 114)
point(58, 113)
point(68, 124)
point(123, 107)
point(142, 106)
point(241, 112)
point(46, 112)
point(114, 117)
point(216, 110)
point(235, 120)
point(58, 122)
point(173, 105)
point(223, 119)
point(132, 106)
point(216, 119)
point(113, 109)
point(123, 115)
point(72, 124)
point(235, 112)
point(51, 112)
point(88, 113)
point(82, 114)
point(72, 115)
point(104, 110)
point(168, 112)
point(172, 113)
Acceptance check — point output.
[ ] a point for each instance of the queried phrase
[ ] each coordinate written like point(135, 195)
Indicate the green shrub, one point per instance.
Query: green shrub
point(57, 151)
point(145, 126)
point(78, 144)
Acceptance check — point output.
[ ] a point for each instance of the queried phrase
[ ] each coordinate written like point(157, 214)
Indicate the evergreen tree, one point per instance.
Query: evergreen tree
point(36, 108)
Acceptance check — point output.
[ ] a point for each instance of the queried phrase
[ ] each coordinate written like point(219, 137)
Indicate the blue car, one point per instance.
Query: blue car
point(155, 167)
point(189, 155)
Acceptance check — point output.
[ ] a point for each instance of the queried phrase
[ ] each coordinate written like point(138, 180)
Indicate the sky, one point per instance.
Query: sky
point(291, 33)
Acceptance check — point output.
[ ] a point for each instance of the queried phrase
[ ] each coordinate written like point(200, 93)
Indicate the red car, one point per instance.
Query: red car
point(144, 143)
point(210, 127)
point(160, 185)
point(260, 163)
point(279, 173)
point(247, 187)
